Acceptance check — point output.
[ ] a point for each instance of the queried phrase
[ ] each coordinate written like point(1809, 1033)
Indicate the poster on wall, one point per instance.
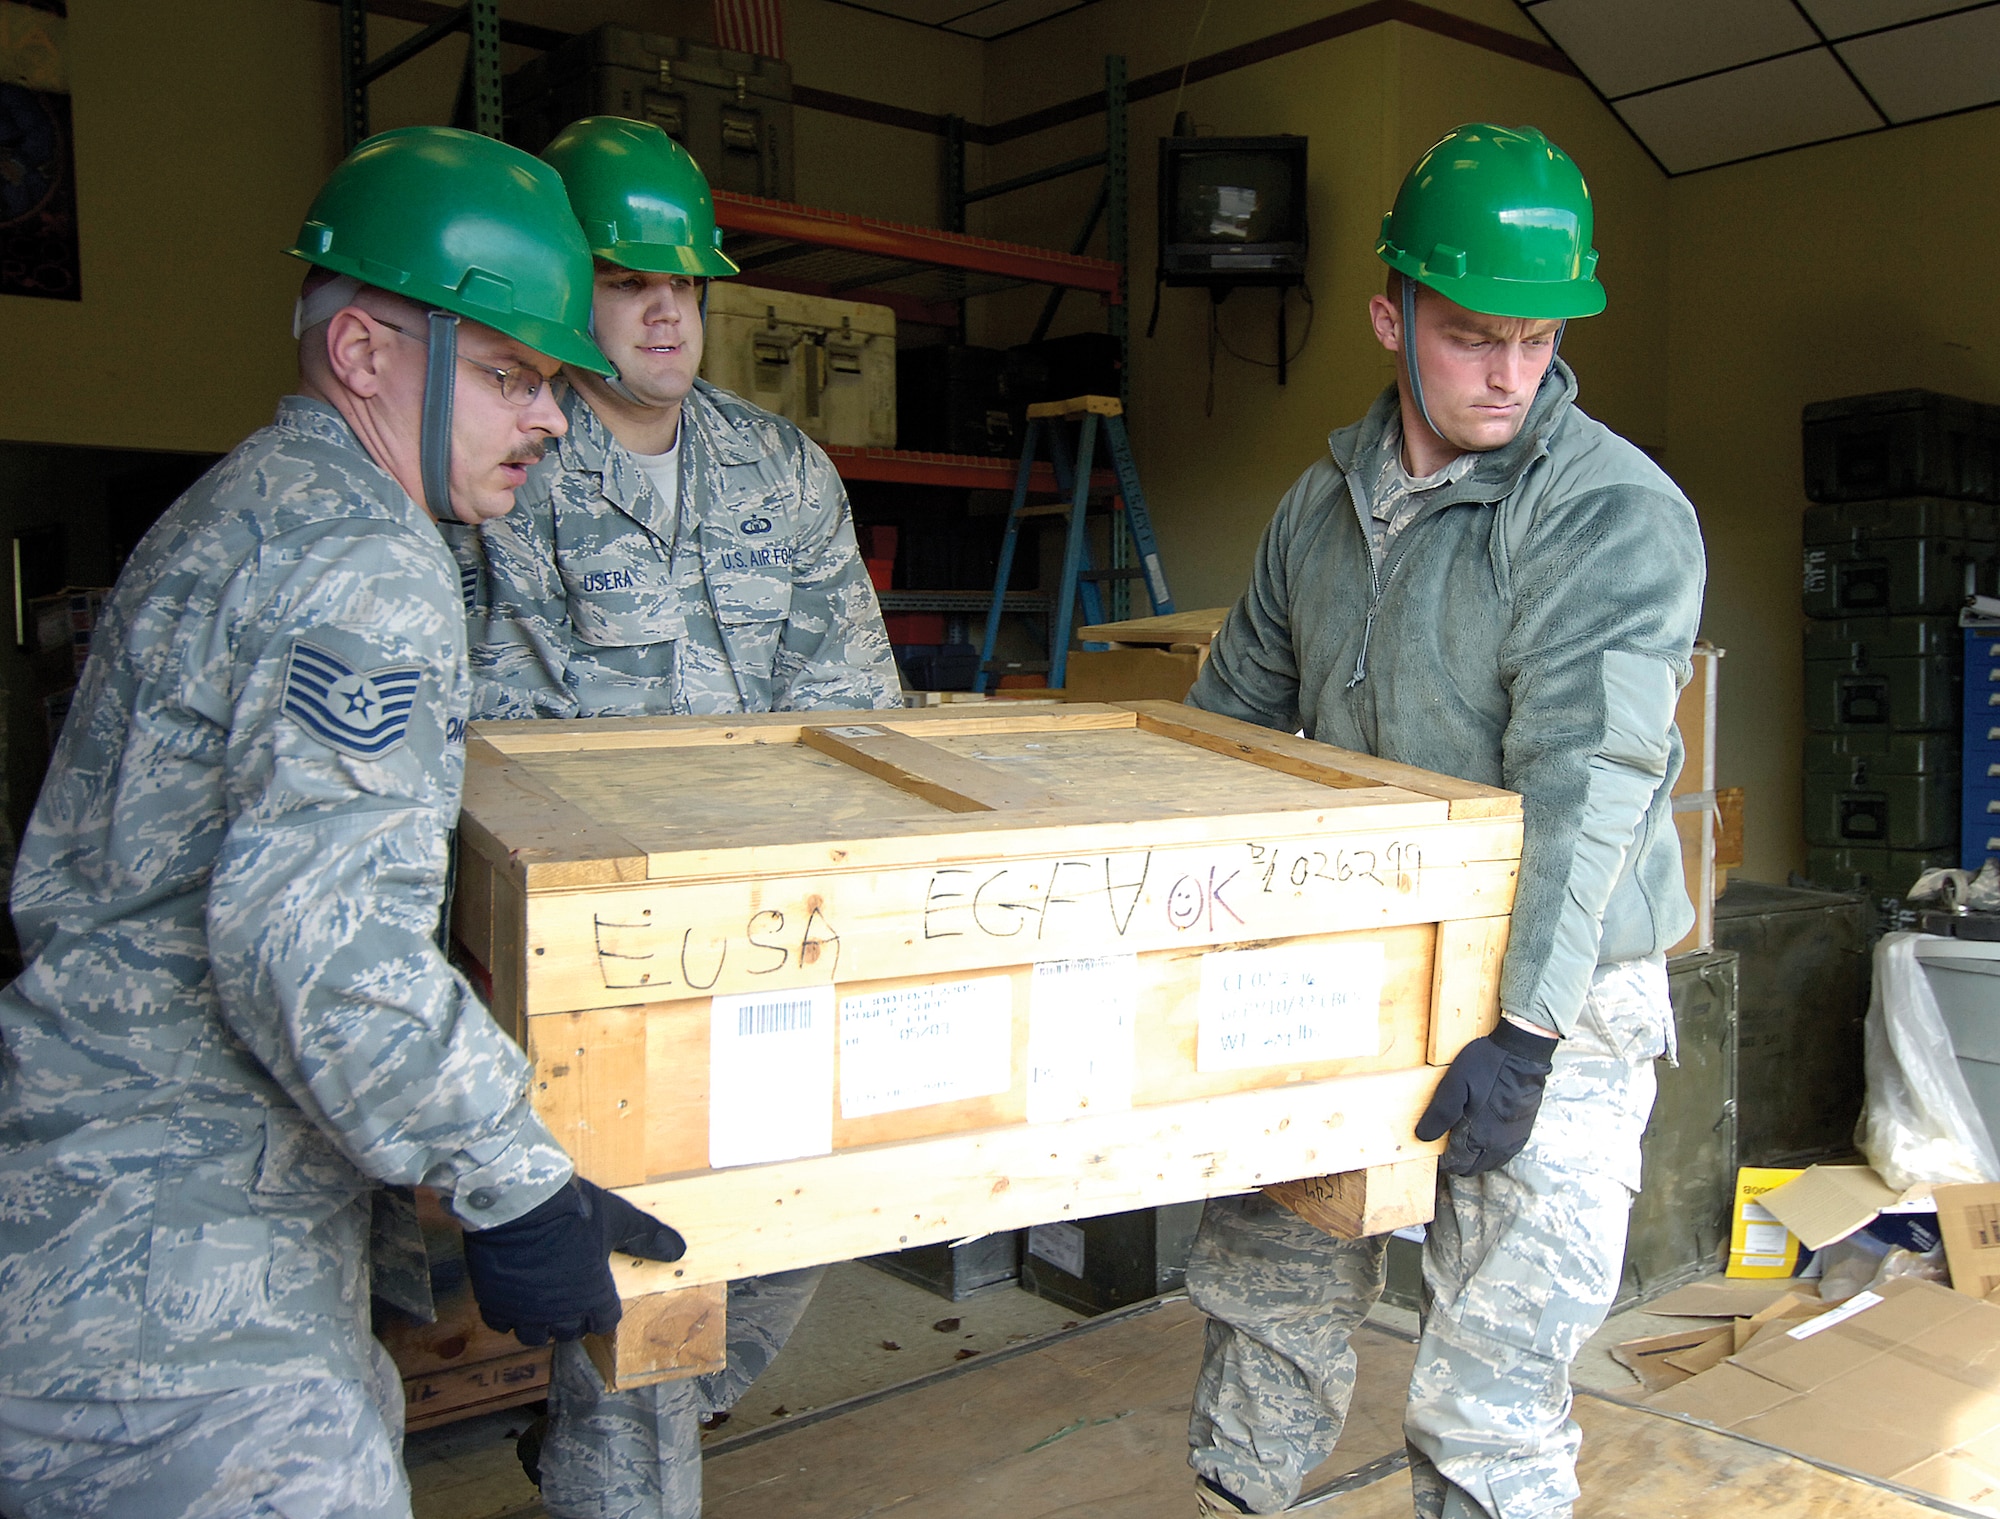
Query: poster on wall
point(38, 246)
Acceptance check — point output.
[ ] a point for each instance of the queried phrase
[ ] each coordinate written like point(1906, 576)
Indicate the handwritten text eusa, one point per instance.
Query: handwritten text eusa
point(1060, 899)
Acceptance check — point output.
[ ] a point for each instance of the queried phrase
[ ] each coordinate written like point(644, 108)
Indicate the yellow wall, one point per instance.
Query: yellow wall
point(1858, 266)
point(203, 130)
point(1736, 295)
point(199, 131)
point(1370, 102)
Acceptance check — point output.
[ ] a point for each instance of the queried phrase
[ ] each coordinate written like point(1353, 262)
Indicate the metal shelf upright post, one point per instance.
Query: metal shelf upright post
point(480, 18)
point(1111, 207)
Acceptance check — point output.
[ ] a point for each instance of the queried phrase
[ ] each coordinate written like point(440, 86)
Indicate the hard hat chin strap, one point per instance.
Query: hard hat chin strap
point(1410, 369)
point(440, 389)
point(1410, 351)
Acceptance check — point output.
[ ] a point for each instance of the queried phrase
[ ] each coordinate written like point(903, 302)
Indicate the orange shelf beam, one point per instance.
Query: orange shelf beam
point(920, 245)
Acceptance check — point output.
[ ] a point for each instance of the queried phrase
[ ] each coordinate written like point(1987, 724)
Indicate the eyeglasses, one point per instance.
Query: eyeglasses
point(519, 386)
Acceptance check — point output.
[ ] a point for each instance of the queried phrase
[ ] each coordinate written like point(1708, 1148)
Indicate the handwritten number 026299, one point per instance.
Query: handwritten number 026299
point(1399, 865)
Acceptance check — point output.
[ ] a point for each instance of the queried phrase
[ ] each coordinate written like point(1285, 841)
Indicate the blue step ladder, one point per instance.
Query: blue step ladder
point(1098, 419)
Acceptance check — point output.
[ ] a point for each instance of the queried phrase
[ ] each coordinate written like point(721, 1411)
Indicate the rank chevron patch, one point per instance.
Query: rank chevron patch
point(363, 713)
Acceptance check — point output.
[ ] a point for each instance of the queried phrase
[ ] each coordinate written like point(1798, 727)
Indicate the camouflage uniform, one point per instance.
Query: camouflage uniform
point(234, 1022)
point(1520, 1266)
point(637, 1455)
point(1572, 571)
point(592, 599)
point(314, 1449)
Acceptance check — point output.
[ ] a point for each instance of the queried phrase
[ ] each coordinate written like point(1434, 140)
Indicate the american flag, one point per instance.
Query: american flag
point(750, 26)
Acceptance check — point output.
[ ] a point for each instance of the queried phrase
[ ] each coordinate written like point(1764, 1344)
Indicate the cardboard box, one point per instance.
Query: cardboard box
point(1901, 1384)
point(1825, 1204)
point(1666, 1360)
point(1131, 674)
point(1759, 1245)
point(1969, 1220)
point(822, 985)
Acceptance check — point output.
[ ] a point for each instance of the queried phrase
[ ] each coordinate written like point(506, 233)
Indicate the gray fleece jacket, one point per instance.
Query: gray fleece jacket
point(1530, 629)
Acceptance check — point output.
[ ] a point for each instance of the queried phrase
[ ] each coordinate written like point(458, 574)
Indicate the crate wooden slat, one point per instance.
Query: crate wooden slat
point(617, 876)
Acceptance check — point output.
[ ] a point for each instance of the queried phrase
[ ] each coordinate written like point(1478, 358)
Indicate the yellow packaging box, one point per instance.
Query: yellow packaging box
point(1758, 1244)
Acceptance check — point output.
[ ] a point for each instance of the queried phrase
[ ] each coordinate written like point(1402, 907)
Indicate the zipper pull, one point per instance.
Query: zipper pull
point(1361, 661)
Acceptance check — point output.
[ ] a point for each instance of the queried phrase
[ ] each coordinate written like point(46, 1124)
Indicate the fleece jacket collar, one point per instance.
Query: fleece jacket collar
point(1498, 472)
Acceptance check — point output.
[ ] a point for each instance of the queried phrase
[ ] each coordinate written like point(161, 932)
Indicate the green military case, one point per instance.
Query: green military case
point(1882, 790)
point(1802, 993)
point(732, 111)
point(1884, 876)
point(957, 1271)
point(1883, 674)
point(1121, 1258)
point(1917, 556)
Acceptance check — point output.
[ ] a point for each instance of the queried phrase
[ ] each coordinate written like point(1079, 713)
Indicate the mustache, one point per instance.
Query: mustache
point(527, 453)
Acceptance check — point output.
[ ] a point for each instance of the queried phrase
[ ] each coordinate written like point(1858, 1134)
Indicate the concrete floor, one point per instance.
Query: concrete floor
point(842, 1350)
point(866, 1330)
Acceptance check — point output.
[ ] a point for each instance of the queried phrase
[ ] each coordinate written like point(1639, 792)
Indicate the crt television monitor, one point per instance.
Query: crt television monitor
point(1232, 210)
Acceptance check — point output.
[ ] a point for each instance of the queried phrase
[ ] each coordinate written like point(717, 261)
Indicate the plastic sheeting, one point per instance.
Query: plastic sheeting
point(1919, 1123)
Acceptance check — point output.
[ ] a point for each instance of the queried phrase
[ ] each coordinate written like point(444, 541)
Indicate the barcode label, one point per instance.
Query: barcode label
point(774, 1018)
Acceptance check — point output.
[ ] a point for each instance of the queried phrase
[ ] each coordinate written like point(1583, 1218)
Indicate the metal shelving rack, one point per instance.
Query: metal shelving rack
point(479, 102)
point(924, 274)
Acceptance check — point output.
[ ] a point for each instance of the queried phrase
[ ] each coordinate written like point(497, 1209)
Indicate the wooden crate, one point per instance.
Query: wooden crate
point(1148, 658)
point(1021, 965)
point(1697, 807)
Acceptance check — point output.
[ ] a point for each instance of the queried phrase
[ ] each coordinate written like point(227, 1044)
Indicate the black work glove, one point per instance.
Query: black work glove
point(1489, 1098)
point(547, 1274)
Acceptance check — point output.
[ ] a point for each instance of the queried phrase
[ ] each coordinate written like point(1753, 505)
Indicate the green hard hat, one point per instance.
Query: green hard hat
point(464, 223)
point(1499, 221)
point(643, 202)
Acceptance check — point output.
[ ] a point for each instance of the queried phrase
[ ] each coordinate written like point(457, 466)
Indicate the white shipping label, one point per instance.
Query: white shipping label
point(1061, 1245)
point(1082, 1018)
point(1861, 1302)
point(925, 1044)
point(1290, 1005)
point(770, 1076)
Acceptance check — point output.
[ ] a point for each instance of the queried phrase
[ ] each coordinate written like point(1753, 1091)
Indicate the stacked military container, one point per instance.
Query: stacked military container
point(1903, 526)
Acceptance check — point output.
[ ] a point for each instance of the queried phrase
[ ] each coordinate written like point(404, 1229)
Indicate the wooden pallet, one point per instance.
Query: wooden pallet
point(929, 880)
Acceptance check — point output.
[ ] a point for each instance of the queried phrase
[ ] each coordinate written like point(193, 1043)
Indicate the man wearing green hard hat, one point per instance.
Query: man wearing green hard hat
point(679, 551)
point(1479, 579)
point(235, 1035)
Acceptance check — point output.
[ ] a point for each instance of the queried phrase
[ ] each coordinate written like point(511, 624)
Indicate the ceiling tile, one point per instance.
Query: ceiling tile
point(1843, 18)
point(1005, 16)
point(1931, 68)
point(1780, 104)
point(1627, 45)
point(926, 12)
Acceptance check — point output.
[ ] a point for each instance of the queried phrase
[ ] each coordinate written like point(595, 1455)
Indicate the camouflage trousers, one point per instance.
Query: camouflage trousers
point(1520, 1266)
point(637, 1454)
point(320, 1449)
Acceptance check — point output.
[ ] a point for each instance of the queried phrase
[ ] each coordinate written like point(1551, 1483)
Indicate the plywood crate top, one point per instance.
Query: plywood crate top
point(599, 802)
point(1194, 627)
point(695, 854)
point(677, 789)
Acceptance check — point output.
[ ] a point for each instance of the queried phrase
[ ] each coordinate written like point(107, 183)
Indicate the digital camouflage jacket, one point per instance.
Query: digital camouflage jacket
point(234, 1021)
point(592, 599)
